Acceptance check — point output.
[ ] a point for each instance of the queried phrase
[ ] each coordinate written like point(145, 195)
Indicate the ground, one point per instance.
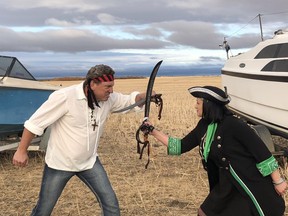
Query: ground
point(170, 186)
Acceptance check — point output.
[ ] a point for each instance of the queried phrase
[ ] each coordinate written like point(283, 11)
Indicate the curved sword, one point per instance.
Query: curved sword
point(154, 98)
point(138, 103)
point(150, 89)
point(146, 114)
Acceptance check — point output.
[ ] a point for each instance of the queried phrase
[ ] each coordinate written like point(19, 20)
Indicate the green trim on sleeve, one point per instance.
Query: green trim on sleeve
point(174, 146)
point(267, 166)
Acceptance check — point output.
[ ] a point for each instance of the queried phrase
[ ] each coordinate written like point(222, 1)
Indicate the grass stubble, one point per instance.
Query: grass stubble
point(172, 185)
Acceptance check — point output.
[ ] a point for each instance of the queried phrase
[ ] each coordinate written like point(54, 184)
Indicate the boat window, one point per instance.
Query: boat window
point(277, 65)
point(4, 65)
point(283, 50)
point(274, 51)
point(11, 67)
point(19, 71)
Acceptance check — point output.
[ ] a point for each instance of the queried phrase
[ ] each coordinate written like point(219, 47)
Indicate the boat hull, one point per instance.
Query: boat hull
point(17, 105)
point(259, 101)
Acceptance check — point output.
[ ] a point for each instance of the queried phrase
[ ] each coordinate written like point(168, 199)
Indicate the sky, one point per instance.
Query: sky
point(67, 37)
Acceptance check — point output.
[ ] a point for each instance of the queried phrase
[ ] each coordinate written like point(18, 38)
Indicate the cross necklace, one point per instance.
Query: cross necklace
point(93, 120)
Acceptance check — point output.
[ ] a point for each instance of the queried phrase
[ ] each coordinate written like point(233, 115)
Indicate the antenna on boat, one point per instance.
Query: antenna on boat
point(260, 23)
point(226, 46)
point(225, 88)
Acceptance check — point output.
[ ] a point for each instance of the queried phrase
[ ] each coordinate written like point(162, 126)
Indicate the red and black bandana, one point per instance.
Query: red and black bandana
point(105, 78)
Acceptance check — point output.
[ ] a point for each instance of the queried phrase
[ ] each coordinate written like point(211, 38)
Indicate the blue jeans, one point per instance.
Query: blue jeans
point(96, 179)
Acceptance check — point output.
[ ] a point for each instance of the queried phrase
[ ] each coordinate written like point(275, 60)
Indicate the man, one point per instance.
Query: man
point(76, 115)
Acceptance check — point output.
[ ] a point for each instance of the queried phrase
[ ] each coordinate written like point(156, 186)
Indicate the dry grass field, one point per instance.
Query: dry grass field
point(172, 185)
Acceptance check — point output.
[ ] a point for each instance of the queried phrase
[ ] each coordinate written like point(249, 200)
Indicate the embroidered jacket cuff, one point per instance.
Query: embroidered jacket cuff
point(268, 166)
point(174, 146)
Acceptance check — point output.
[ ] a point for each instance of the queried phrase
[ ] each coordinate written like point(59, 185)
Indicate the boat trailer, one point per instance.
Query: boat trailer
point(39, 143)
point(280, 152)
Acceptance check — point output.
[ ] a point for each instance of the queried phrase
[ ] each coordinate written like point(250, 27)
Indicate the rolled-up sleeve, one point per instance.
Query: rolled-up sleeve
point(47, 113)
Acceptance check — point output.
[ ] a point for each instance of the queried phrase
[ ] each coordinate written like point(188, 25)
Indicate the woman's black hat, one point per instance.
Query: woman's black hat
point(210, 93)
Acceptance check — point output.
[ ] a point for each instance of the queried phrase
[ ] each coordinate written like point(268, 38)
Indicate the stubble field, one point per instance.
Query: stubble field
point(172, 185)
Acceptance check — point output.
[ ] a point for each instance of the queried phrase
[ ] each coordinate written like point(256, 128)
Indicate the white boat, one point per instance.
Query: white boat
point(257, 82)
point(20, 95)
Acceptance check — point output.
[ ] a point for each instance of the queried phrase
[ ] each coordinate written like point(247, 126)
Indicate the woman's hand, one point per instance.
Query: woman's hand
point(281, 187)
point(147, 127)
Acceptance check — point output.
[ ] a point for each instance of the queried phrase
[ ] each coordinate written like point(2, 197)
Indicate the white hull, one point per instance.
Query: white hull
point(254, 100)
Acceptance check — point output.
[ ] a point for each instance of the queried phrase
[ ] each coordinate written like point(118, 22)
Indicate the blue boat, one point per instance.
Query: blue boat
point(20, 95)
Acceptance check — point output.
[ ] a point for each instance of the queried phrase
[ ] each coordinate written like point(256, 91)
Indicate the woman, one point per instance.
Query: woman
point(243, 175)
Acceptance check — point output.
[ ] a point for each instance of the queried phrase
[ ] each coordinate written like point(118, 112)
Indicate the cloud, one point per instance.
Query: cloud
point(179, 30)
point(105, 18)
point(64, 23)
point(63, 5)
point(70, 40)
